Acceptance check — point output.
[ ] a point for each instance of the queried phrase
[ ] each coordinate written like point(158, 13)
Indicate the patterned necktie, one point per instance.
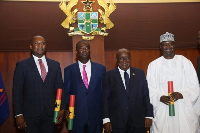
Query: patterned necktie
point(43, 70)
point(85, 79)
point(127, 81)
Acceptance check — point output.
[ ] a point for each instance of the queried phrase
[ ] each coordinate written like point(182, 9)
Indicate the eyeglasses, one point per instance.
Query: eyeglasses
point(39, 42)
point(124, 58)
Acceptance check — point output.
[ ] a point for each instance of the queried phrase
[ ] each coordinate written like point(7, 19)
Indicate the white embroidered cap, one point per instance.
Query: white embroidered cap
point(167, 37)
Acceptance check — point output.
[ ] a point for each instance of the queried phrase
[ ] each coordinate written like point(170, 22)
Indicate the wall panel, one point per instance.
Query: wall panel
point(136, 25)
point(140, 59)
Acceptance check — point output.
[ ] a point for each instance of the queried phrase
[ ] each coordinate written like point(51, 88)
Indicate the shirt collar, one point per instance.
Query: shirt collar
point(122, 71)
point(36, 58)
point(88, 63)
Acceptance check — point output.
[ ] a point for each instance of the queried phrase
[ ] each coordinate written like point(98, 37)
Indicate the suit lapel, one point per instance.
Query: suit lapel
point(34, 68)
point(92, 78)
point(50, 68)
point(132, 79)
point(78, 73)
point(119, 78)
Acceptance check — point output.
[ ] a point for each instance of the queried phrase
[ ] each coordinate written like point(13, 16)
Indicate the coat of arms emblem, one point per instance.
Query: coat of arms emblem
point(88, 19)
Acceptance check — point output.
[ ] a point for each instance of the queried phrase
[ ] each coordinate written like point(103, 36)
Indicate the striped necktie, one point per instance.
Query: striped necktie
point(43, 70)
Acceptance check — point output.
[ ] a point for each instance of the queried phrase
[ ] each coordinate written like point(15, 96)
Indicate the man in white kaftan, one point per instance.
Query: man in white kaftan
point(176, 68)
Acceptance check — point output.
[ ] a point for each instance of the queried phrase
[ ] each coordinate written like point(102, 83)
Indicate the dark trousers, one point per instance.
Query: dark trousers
point(129, 128)
point(87, 128)
point(40, 124)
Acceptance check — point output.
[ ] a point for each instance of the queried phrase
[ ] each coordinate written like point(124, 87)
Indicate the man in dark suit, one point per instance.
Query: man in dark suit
point(84, 80)
point(125, 98)
point(35, 84)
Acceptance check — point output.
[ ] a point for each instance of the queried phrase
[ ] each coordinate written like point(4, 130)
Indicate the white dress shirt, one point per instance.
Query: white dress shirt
point(122, 75)
point(87, 69)
point(43, 61)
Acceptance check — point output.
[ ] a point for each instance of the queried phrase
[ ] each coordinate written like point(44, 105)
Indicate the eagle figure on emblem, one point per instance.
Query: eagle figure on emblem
point(108, 10)
point(67, 10)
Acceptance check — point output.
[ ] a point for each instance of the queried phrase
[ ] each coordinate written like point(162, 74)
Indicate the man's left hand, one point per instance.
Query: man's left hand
point(60, 116)
point(148, 122)
point(176, 95)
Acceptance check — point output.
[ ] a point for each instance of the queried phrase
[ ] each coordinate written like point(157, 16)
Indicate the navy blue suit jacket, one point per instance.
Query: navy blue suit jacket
point(37, 95)
point(87, 101)
point(117, 103)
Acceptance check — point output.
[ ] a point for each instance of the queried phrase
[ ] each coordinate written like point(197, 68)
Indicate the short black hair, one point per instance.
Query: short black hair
point(118, 51)
point(34, 37)
point(82, 41)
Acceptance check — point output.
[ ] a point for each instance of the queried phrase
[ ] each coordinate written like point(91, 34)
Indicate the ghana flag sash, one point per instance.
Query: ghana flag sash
point(4, 106)
point(57, 104)
point(171, 104)
point(71, 111)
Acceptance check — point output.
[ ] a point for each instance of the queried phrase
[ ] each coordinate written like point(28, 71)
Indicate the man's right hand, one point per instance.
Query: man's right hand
point(107, 127)
point(21, 123)
point(165, 99)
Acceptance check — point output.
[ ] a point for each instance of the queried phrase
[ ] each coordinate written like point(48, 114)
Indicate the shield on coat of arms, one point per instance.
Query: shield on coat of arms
point(87, 21)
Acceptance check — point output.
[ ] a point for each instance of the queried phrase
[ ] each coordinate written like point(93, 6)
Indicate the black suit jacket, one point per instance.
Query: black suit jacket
point(117, 103)
point(30, 94)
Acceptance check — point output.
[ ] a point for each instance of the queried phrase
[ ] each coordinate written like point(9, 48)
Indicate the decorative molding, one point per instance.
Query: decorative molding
point(121, 1)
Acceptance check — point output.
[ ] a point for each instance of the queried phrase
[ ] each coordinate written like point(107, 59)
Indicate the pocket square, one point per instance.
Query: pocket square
point(133, 73)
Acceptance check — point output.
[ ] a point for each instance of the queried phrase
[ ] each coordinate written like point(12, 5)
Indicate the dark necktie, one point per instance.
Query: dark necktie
point(127, 81)
point(43, 70)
